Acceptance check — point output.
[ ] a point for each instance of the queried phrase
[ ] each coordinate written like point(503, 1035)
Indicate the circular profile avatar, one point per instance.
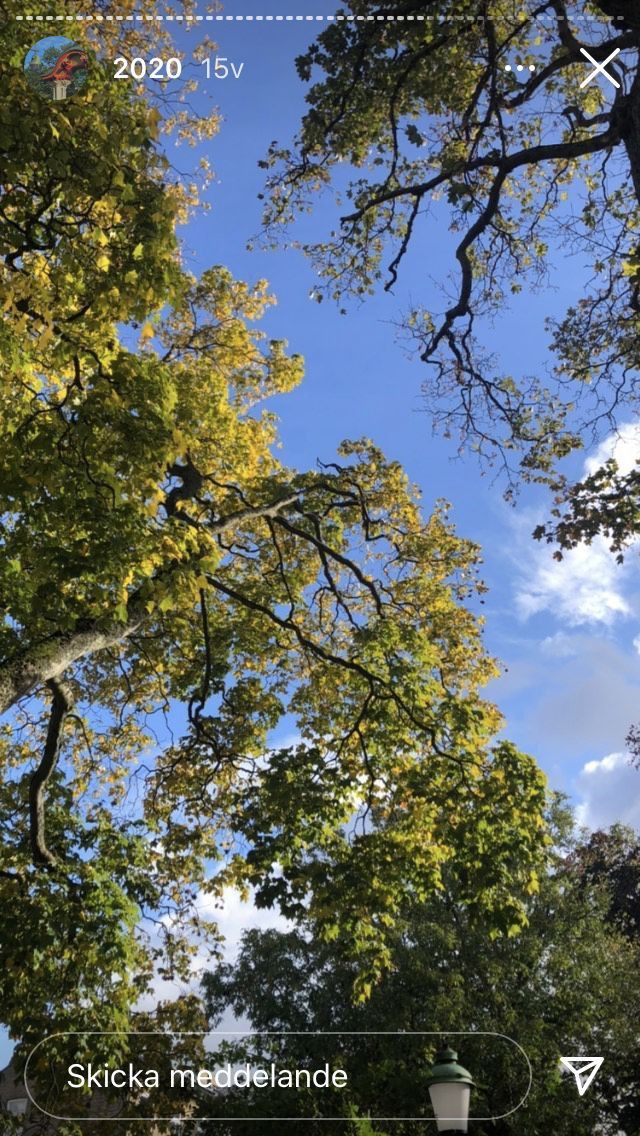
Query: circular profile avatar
point(56, 67)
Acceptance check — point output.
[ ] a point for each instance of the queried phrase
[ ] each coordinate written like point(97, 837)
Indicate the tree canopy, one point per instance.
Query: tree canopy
point(172, 593)
point(552, 987)
point(416, 122)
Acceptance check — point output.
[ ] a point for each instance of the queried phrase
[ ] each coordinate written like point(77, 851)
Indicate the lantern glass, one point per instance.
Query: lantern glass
point(450, 1102)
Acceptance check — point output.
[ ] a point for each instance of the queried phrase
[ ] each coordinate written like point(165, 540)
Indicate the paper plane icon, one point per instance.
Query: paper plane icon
point(584, 1070)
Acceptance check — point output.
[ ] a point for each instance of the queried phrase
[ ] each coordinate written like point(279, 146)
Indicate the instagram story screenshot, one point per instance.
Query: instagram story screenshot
point(319, 535)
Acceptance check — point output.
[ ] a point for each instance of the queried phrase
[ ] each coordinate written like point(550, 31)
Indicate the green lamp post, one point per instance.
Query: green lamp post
point(450, 1088)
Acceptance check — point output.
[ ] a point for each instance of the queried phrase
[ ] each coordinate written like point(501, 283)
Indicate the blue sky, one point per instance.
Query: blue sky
point(564, 632)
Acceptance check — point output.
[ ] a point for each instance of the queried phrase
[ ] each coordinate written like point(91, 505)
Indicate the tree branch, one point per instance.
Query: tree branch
point(504, 168)
point(60, 707)
point(50, 658)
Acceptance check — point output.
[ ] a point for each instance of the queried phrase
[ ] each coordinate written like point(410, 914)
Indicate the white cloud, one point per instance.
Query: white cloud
point(233, 916)
point(610, 792)
point(624, 446)
point(561, 645)
point(586, 586)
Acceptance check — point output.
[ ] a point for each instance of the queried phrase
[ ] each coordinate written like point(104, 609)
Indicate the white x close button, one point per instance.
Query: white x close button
point(600, 68)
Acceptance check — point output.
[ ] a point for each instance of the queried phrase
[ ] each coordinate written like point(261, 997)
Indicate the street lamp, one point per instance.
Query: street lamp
point(450, 1090)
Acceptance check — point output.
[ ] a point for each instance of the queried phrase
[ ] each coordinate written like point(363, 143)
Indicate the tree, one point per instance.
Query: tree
point(171, 593)
point(415, 98)
point(612, 859)
point(555, 988)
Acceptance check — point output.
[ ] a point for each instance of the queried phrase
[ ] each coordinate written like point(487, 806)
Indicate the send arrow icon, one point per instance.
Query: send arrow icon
point(584, 1070)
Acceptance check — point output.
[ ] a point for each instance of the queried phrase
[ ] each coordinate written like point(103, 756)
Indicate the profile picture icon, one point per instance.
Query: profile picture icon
point(56, 67)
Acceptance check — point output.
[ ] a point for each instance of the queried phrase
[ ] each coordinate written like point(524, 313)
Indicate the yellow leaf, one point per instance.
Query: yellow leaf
point(46, 337)
point(153, 119)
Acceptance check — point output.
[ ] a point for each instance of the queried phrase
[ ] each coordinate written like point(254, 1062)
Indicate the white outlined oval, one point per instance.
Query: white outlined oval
point(274, 1033)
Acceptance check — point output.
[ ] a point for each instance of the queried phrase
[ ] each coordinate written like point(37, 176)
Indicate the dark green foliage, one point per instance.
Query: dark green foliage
point(567, 984)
